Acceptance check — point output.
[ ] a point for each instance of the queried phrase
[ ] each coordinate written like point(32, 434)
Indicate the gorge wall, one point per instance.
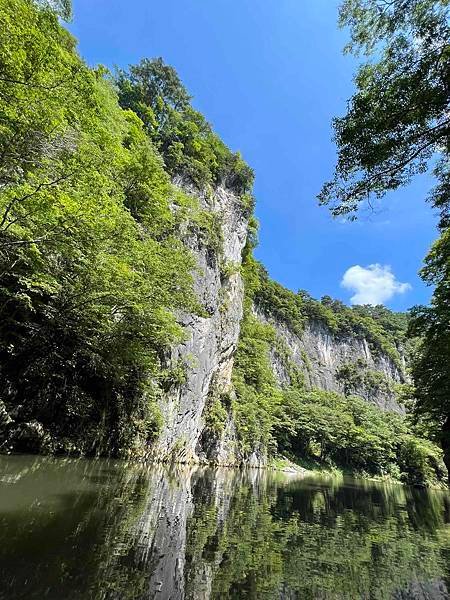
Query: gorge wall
point(326, 359)
point(338, 362)
point(211, 340)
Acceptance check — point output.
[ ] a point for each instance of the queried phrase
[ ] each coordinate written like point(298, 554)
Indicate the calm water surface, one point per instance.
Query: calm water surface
point(73, 529)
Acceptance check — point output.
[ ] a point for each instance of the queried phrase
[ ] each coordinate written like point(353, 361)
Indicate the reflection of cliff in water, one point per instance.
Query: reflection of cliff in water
point(229, 534)
point(109, 531)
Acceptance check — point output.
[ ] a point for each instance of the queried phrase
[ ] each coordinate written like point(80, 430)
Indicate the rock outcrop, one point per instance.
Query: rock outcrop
point(211, 341)
point(324, 357)
point(207, 354)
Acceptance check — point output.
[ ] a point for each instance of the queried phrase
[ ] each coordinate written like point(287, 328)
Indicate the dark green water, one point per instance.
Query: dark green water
point(72, 529)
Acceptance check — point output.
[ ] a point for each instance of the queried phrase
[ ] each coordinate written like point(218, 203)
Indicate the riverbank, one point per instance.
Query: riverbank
point(311, 468)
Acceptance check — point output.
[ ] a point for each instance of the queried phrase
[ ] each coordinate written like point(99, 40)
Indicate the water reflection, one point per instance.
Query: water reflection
point(106, 530)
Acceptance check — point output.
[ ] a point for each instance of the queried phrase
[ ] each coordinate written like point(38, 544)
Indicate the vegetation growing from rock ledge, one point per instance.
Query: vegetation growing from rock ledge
point(357, 376)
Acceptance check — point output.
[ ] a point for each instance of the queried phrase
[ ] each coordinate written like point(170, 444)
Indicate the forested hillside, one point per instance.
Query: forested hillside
point(93, 266)
point(134, 320)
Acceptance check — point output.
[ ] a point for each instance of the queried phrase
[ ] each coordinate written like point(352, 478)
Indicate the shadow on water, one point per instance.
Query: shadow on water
point(108, 530)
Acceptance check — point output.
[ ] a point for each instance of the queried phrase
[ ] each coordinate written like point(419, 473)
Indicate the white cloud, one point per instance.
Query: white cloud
point(375, 284)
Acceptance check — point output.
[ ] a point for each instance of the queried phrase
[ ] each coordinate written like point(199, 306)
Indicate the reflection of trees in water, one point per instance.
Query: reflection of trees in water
point(68, 514)
point(324, 541)
point(122, 532)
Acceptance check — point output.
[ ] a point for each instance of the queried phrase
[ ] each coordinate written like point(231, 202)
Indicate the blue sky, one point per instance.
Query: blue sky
point(270, 75)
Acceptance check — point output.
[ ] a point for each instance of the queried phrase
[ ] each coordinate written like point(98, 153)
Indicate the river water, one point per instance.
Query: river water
point(76, 529)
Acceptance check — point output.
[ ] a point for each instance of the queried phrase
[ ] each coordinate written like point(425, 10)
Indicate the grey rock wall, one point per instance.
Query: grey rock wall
point(320, 355)
point(207, 354)
point(211, 341)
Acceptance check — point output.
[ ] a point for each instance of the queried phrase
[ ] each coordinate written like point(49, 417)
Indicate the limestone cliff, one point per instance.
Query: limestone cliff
point(327, 360)
point(337, 363)
point(211, 340)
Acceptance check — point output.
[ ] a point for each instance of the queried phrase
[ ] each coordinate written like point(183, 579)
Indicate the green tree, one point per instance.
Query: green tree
point(91, 265)
point(185, 139)
point(398, 118)
point(353, 433)
point(431, 361)
point(63, 8)
point(398, 125)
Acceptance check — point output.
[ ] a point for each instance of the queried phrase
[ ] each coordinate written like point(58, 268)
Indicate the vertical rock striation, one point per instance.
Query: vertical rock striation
point(322, 356)
point(207, 354)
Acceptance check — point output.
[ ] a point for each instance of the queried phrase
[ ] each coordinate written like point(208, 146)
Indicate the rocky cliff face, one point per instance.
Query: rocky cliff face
point(344, 364)
point(211, 340)
point(326, 360)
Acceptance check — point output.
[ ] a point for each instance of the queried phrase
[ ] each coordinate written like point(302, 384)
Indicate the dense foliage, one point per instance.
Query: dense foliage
point(431, 361)
point(353, 433)
point(92, 268)
point(182, 135)
point(259, 398)
point(93, 272)
point(399, 116)
point(397, 125)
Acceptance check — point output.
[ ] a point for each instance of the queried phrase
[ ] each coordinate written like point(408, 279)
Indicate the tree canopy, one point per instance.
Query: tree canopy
point(185, 139)
point(398, 125)
point(397, 121)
